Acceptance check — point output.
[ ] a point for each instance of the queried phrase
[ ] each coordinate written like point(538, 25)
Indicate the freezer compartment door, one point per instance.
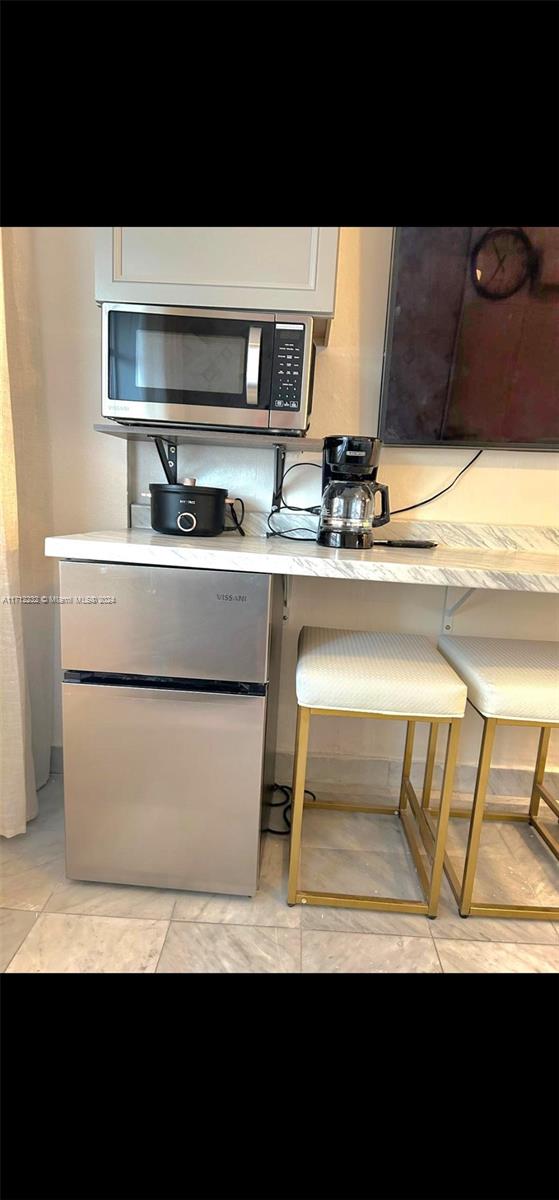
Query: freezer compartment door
point(165, 621)
point(163, 787)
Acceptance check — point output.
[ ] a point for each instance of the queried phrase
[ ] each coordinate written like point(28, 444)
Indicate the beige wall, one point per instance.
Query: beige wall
point(89, 473)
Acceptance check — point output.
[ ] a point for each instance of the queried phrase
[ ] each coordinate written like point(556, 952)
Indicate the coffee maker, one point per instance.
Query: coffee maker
point(349, 488)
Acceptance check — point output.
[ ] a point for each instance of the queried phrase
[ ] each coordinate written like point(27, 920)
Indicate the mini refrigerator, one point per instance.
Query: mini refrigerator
point(169, 721)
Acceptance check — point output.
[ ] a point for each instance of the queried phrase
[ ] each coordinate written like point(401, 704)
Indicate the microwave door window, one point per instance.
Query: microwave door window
point(190, 362)
point(121, 361)
point(168, 359)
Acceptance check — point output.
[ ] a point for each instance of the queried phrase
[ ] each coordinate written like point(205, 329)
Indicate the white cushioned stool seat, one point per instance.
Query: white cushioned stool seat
point(388, 673)
point(514, 680)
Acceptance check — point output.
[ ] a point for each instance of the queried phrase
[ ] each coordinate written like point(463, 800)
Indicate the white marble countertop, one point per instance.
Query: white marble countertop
point(491, 560)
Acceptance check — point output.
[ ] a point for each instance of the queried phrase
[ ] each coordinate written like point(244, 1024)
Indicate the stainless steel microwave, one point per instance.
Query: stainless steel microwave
point(204, 367)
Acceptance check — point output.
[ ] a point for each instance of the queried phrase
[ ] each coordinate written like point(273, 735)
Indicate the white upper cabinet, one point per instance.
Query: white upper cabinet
point(284, 268)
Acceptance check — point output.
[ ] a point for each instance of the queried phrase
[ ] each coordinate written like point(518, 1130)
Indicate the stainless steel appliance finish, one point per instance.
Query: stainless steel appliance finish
point(213, 368)
point(166, 621)
point(163, 787)
point(169, 724)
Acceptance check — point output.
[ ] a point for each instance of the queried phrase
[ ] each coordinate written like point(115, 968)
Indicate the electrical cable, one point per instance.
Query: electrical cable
point(286, 806)
point(313, 510)
point(237, 522)
point(420, 503)
point(278, 787)
point(286, 533)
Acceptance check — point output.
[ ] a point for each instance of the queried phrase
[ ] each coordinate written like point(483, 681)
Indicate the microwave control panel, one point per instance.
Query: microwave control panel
point(287, 371)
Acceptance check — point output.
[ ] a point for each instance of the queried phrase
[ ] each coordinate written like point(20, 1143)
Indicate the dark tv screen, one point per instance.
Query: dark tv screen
point(472, 339)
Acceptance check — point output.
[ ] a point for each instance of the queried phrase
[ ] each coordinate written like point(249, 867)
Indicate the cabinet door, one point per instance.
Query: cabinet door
point(275, 268)
point(163, 788)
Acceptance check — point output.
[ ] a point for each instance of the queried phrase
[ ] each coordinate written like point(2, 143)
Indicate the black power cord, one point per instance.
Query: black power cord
point(237, 521)
point(313, 509)
point(286, 806)
point(420, 503)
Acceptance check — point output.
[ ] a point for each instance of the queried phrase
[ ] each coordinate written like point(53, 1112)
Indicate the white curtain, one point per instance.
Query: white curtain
point(26, 630)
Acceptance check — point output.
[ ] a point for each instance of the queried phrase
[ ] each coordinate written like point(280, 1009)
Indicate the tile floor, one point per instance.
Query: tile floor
point(51, 924)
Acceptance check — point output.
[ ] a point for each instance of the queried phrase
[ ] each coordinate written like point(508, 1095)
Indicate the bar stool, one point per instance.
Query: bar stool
point(509, 683)
point(388, 677)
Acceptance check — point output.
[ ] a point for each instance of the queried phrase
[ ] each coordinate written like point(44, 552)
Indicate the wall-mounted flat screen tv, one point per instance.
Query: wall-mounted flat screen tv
point(472, 338)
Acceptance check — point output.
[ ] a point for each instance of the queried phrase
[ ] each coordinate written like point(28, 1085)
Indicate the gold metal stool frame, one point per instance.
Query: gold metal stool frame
point(434, 842)
point(463, 890)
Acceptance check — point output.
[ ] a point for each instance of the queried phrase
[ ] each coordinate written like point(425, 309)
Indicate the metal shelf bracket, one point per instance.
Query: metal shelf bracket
point(167, 451)
point(287, 585)
point(279, 468)
point(450, 609)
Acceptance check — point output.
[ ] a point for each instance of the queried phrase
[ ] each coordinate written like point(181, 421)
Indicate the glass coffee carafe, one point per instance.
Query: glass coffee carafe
point(347, 515)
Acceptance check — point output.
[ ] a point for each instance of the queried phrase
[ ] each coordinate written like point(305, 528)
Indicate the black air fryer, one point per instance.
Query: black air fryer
point(198, 511)
point(186, 509)
point(349, 487)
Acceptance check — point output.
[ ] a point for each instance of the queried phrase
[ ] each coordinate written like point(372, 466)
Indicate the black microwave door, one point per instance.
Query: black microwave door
point(159, 358)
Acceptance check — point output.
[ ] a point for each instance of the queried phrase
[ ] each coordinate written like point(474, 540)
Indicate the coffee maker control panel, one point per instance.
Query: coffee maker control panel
point(288, 367)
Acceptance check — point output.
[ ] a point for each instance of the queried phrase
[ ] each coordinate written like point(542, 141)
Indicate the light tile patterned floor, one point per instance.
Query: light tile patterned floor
point(52, 924)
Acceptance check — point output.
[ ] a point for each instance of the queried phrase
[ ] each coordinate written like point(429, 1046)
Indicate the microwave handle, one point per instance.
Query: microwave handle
point(253, 364)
